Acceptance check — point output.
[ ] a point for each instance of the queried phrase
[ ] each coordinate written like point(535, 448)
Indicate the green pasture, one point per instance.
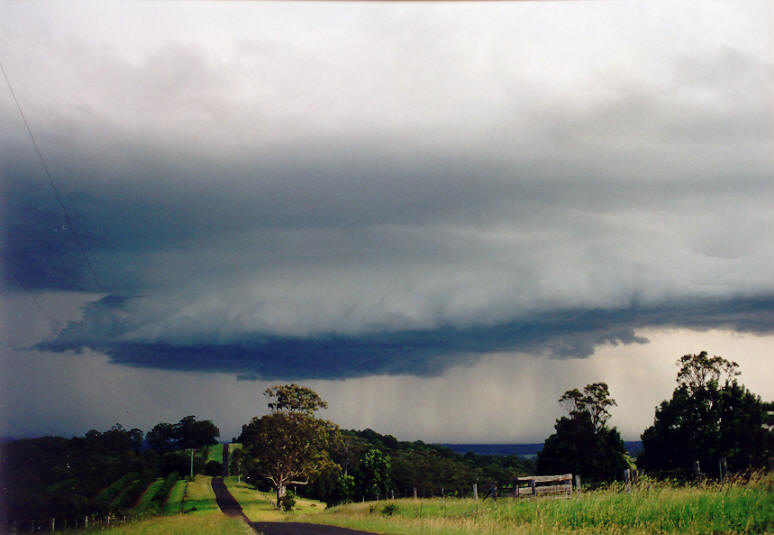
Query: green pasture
point(741, 508)
point(214, 453)
point(174, 503)
point(145, 504)
point(199, 496)
point(259, 506)
point(206, 524)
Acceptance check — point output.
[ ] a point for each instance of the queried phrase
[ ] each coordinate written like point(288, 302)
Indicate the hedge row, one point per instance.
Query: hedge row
point(103, 499)
point(163, 491)
point(132, 495)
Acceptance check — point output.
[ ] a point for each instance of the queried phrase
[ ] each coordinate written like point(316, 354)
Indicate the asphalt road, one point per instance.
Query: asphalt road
point(231, 507)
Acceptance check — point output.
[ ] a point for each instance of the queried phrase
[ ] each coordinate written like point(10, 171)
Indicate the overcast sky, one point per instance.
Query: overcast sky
point(441, 216)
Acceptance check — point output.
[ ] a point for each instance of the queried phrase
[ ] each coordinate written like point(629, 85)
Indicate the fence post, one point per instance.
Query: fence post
point(53, 525)
point(415, 493)
point(516, 488)
point(697, 470)
point(578, 483)
point(533, 486)
point(723, 465)
point(628, 479)
point(475, 491)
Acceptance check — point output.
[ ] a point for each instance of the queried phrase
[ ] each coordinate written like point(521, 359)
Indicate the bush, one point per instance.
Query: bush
point(389, 509)
point(288, 501)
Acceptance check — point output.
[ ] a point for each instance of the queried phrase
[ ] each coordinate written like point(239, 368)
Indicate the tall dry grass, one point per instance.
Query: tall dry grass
point(651, 507)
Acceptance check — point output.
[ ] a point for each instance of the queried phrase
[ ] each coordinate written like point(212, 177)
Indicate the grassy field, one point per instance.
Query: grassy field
point(199, 497)
point(649, 508)
point(203, 517)
point(199, 524)
point(174, 503)
point(215, 453)
point(257, 505)
point(145, 500)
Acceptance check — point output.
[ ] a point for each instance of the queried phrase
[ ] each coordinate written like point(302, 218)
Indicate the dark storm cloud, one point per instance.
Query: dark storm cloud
point(560, 334)
point(320, 205)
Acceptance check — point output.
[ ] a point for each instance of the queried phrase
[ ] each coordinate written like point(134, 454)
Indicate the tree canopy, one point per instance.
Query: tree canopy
point(582, 443)
point(290, 445)
point(709, 417)
point(294, 398)
point(188, 433)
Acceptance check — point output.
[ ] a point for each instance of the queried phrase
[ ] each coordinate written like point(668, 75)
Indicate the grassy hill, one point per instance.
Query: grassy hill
point(650, 508)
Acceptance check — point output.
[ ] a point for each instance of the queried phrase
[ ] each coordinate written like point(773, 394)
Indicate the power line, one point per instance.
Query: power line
point(66, 214)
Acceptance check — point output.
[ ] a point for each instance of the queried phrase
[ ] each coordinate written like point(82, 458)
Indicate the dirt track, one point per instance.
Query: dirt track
point(231, 507)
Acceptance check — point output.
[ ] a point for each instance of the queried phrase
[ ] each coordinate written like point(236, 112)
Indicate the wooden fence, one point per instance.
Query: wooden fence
point(552, 485)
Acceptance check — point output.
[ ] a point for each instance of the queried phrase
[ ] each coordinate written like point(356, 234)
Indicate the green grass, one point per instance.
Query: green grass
point(207, 524)
point(215, 453)
point(174, 502)
point(258, 506)
point(649, 508)
point(145, 504)
point(199, 496)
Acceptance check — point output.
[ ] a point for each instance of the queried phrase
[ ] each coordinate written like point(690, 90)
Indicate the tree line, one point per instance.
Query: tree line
point(292, 447)
point(712, 419)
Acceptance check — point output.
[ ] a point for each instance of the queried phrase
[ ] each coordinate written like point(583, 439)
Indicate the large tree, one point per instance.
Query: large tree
point(290, 445)
point(710, 416)
point(582, 443)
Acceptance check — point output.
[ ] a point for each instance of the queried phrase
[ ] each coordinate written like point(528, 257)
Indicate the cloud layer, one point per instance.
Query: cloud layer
point(358, 190)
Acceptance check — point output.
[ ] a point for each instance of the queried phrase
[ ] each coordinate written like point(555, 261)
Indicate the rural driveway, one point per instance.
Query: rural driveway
point(231, 507)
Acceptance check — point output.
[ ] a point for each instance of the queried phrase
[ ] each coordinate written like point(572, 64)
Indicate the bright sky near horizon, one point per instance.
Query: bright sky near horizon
point(439, 215)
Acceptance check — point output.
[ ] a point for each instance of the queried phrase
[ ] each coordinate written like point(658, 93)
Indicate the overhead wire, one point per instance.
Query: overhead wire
point(70, 225)
point(73, 229)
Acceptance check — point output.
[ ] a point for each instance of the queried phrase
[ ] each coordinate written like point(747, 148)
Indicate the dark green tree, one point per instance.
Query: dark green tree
point(374, 474)
point(710, 416)
point(162, 438)
point(290, 446)
point(582, 443)
point(192, 434)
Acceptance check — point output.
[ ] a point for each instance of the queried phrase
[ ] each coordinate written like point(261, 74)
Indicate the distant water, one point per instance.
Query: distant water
point(528, 451)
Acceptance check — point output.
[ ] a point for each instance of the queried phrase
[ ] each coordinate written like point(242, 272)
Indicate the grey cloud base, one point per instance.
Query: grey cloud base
point(361, 189)
point(560, 334)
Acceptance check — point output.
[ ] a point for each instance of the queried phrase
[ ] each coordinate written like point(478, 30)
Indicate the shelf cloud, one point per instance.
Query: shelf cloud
point(345, 190)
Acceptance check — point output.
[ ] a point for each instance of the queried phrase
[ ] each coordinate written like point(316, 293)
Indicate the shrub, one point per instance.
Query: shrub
point(288, 501)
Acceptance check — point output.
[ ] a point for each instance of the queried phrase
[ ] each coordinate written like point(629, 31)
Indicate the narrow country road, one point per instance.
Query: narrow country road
point(231, 507)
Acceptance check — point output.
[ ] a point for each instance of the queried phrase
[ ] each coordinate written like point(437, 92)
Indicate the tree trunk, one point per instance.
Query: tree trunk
point(281, 491)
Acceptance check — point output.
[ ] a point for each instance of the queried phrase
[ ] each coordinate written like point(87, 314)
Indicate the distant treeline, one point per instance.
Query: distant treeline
point(633, 448)
point(401, 467)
